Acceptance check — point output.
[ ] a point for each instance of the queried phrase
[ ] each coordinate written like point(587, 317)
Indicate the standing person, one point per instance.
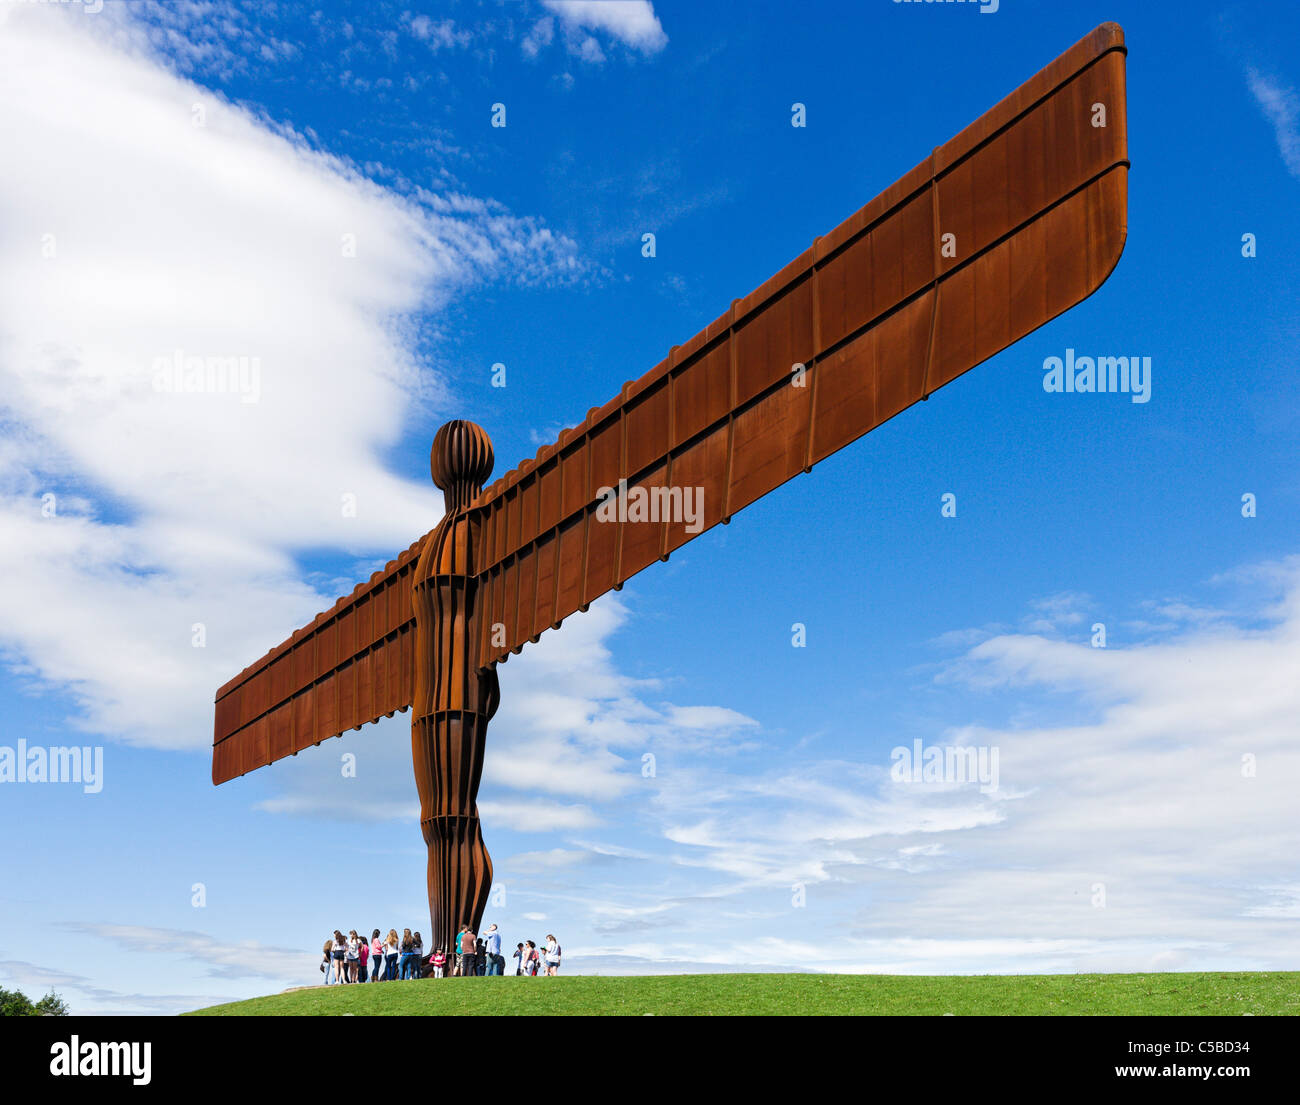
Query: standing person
point(363, 956)
point(519, 959)
point(391, 956)
point(552, 955)
point(407, 955)
point(376, 956)
point(325, 963)
point(353, 956)
point(493, 950)
point(459, 969)
point(469, 953)
point(336, 956)
point(439, 961)
point(417, 946)
point(531, 959)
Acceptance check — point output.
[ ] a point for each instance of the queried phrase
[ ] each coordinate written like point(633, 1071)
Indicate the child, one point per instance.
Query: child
point(519, 955)
point(439, 963)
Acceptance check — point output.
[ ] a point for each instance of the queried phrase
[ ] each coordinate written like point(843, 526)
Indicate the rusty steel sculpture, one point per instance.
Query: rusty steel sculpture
point(1015, 220)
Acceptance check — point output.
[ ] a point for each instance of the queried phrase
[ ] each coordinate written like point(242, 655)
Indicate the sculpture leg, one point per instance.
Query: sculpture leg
point(447, 750)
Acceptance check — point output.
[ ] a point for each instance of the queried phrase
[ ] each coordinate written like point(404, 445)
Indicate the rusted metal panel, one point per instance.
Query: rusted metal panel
point(1013, 221)
point(648, 427)
point(642, 533)
point(568, 588)
point(547, 579)
point(297, 675)
point(769, 442)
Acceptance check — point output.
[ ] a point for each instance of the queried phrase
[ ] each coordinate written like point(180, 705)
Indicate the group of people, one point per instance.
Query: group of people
point(353, 958)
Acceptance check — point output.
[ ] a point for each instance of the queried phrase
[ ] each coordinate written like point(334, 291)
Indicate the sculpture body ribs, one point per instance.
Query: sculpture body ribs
point(1015, 220)
point(453, 700)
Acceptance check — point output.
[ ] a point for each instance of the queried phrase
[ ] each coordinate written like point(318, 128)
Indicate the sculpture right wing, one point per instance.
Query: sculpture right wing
point(1033, 193)
point(353, 664)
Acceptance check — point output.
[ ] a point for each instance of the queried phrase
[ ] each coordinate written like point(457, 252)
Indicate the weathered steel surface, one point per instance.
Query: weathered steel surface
point(352, 664)
point(454, 700)
point(1035, 196)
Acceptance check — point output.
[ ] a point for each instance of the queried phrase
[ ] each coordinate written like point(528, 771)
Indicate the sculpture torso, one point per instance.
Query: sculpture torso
point(452, 701)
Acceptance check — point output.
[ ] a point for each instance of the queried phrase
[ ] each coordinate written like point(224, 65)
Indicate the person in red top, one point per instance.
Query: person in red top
point(439, 963)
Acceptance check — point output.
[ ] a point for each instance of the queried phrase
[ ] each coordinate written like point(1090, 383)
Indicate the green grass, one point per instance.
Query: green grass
point(1193, 994)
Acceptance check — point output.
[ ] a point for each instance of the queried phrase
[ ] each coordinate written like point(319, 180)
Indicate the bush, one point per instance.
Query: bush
point(14, 1003)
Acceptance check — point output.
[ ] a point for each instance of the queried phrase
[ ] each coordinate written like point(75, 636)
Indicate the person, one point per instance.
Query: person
point(376, 956)
point(493, 950)
point(354, 951)
point(325, 962)
point(439, 961)
point(337, 954)
point(363, 956)
point(460, 951)
point(519, 958)
point(408, 955)
point(417, 946)
point(391, 956)
point(531, 959)
point(469, 952)
point(552, 956)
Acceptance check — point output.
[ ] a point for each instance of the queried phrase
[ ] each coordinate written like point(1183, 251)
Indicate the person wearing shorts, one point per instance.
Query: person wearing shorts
point(337, 955)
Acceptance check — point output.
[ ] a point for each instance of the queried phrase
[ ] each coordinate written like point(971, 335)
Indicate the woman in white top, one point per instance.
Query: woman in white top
point(552, 955)
point(354, 955)
point(390, 955)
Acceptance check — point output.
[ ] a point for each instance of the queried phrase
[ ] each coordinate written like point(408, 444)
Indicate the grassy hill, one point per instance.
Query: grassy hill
point(1210, 993)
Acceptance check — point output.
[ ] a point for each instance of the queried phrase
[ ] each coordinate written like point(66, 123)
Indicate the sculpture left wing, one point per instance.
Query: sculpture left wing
point(1012, 222)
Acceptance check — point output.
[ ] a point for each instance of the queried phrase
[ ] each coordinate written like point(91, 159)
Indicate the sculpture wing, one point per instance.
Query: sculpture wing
point(1034, 195)
point(353, 664)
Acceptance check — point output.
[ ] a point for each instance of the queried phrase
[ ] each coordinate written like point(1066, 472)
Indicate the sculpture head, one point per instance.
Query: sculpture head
point(460, 462)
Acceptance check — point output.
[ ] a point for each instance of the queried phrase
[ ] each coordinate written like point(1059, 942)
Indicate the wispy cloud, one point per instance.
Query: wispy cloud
point(1281, 107)
point(171, 509)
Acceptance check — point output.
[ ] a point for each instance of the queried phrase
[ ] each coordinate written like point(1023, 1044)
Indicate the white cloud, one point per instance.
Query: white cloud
point(632, 22)
point(1281, 107)
point(537, 817)
point(131, 231)
point(539, 37)
point(225, 959)
point(438, 34)
point(1148, 826)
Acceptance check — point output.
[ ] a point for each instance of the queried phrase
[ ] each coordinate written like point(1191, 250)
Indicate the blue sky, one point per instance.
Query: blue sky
point(184, 176)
